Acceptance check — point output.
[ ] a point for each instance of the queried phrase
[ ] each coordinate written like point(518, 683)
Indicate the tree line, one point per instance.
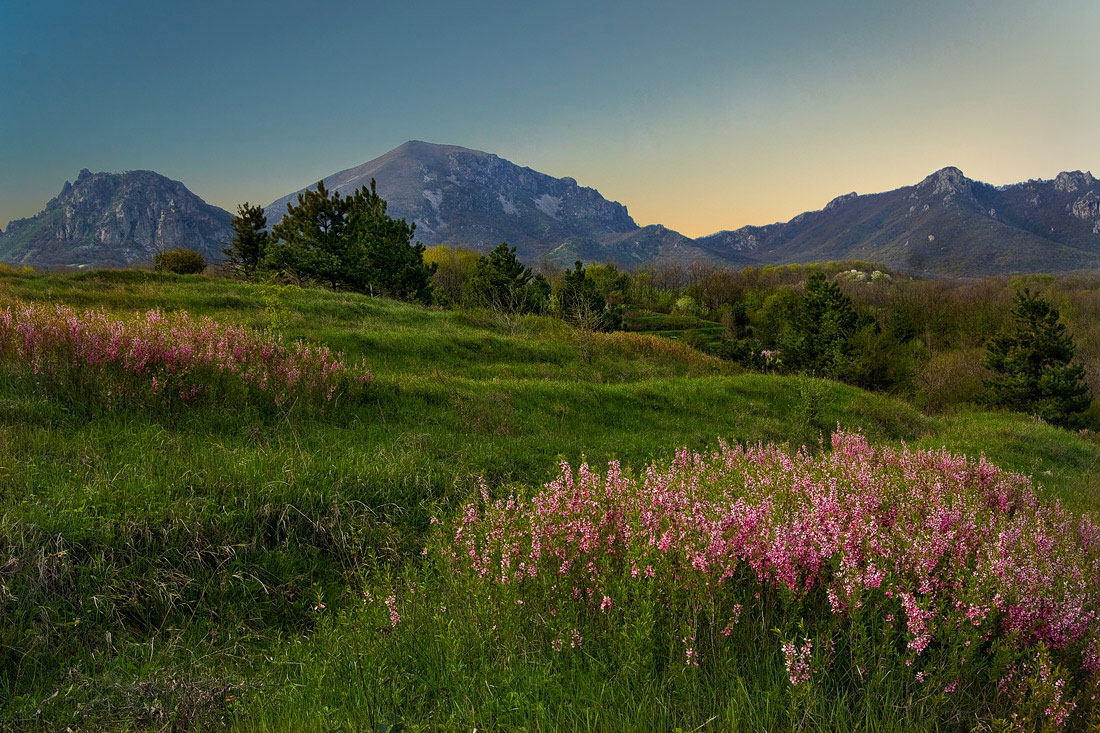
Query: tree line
point(349, 242)
point(936, 342)
point(824, 321)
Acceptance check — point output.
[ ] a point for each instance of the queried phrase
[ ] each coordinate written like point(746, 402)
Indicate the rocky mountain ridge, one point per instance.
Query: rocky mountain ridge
point(115, 220)
point(946, 224)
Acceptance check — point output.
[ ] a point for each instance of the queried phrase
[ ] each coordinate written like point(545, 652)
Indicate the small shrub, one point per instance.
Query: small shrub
point(276, 308)
point(686, 306)
point(181, 261)
point(951, 378)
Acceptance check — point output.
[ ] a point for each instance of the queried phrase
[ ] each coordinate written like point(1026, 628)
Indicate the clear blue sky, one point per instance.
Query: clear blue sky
point(699, 116)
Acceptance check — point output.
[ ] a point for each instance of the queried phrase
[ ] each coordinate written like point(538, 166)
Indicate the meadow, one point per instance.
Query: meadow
point(248, 563)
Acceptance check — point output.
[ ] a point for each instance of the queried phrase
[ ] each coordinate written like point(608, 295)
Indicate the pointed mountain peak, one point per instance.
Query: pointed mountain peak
point(1070, 181)
point(949, 180)
point(840, 200)
point(458, 195)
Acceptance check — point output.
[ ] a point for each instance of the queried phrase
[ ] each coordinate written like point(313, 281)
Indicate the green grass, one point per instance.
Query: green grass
point(1066, 464)
point(152, 566)
point(699, 332)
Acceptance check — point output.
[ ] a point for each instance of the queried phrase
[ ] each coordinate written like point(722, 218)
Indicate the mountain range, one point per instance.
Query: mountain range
point(947, 224)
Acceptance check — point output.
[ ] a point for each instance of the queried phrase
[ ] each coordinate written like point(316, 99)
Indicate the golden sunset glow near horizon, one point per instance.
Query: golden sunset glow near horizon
point(703, 117)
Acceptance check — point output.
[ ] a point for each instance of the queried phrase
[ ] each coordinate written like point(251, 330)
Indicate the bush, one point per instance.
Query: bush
point(454, 268)
point(181, 261)
point(686, 306)
point(950, 378)
point(24, 271)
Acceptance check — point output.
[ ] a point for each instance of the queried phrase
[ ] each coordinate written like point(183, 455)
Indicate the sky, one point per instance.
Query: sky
point(700, 116)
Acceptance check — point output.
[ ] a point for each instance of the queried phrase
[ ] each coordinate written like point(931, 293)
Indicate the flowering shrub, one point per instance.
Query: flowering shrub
point(949, 567)
point(154, 356)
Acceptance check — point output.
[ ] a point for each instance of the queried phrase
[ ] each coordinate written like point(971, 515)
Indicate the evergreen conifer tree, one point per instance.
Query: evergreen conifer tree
point(384, 257)
point(311, 241)
point(248, 247)
point(579, 301)
point(350, 242)
point(501, 282)
point(1033, 365)
point(822, 328)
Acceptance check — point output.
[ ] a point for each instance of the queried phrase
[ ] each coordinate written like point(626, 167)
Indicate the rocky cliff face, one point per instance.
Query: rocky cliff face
point(117, 219)
point(1066, 208)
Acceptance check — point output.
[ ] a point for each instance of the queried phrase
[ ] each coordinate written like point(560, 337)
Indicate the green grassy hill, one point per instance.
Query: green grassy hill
point(159, 569)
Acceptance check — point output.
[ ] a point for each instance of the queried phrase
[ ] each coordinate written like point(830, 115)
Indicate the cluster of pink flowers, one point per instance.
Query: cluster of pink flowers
point(797, 661)
point(168, 354)
point(946, 542)
point(391, 606)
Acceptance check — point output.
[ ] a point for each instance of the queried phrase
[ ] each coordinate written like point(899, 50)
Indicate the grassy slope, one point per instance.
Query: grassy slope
point(160, 559)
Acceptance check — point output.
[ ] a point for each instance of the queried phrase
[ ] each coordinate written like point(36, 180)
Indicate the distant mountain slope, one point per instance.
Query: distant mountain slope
point(947, 224)
point(467, 197)
point(116, 219)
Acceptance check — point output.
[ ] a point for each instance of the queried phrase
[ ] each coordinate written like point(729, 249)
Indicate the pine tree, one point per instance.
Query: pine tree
point(248, 247)
point(819, 339)
point(384, 257)
point(350, 242)
point(311, 241)
point(1033, 365)
point(501, 282)
point(579, 301)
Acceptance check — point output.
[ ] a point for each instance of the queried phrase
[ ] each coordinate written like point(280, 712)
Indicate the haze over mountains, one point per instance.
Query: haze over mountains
point(946, 224)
